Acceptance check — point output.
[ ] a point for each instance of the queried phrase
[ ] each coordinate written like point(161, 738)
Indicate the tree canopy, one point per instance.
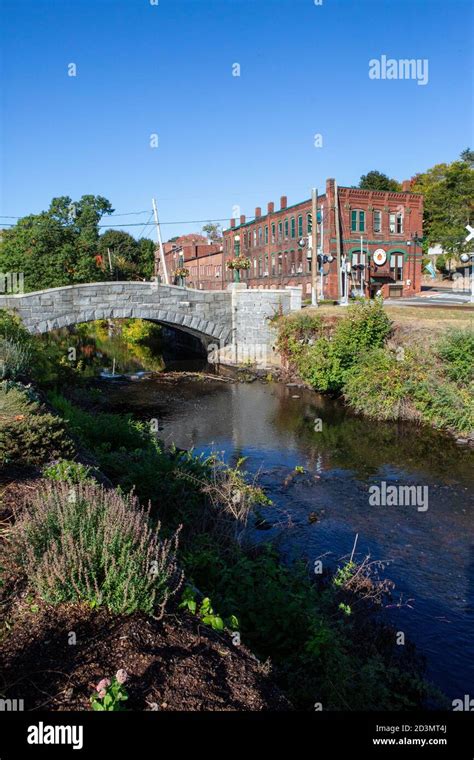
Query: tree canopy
point(213, 231)
point(375, 180)
point(448, 191)
point(62, 246)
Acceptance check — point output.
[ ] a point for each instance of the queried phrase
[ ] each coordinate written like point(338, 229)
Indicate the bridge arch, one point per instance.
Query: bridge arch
point(184, 322)
point(238, 316)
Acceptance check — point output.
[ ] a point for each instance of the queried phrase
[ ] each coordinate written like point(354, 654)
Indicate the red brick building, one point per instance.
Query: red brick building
point(387, 224)
point(202, 258)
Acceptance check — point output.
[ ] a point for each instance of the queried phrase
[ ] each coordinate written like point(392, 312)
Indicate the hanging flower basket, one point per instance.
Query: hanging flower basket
point(238, 262)
point(181, 272)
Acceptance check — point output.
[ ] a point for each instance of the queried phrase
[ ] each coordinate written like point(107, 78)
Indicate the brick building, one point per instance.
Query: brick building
point(201, 257)
point(370, 222)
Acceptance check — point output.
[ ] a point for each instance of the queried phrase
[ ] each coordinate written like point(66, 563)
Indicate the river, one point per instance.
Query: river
point(429, 554)
point(317, 513)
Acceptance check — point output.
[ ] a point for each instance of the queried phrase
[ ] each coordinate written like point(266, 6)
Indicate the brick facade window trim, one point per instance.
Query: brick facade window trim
point(358, 249)
point(406, 253)
point(360, 219)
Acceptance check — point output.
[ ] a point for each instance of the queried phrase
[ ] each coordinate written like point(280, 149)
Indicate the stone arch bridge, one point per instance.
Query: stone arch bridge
point(236, 318)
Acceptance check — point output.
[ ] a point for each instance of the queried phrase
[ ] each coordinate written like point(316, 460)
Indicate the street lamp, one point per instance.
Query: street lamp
point(236, 255)
point(465, 258)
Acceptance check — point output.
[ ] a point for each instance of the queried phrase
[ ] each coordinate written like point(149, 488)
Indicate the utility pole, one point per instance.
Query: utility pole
point(338, 247)
point(314, 244)
point(322, 253)
point(160, 242)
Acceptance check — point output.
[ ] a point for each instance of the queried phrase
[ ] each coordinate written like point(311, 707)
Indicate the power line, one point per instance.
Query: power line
point(147, 224)
point(125, 213)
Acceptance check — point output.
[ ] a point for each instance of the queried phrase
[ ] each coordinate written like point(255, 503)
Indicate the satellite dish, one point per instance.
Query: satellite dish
point(302, 242)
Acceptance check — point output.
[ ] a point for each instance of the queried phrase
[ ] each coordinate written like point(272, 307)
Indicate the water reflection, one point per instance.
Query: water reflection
point(430, 553)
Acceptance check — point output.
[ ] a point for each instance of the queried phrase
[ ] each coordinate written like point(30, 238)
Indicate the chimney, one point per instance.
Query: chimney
point(258, 212)
point(283, 201)
point(270, 207)
point(232, 222)
point(242, 219)
point(406, 185)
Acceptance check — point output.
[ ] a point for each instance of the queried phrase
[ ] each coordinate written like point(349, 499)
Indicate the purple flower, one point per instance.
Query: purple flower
point(121, 676)
point(102, 687)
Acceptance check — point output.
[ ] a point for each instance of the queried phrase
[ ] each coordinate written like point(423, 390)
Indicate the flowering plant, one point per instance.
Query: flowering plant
point(239, 262)
point(181, 272)
point(110, 693)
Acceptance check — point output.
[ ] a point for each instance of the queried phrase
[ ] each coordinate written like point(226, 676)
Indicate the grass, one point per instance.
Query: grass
point(432, 317)
point(421, 370)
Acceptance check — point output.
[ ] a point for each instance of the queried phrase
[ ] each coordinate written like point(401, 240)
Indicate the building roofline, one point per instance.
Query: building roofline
point(391, 192)
point(273, 213)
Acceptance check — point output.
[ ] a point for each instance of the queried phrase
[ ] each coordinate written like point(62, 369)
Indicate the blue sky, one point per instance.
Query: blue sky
point(224, 141)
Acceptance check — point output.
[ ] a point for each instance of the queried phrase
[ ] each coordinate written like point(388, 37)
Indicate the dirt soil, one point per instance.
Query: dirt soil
point(173, 664)
point(176, 663)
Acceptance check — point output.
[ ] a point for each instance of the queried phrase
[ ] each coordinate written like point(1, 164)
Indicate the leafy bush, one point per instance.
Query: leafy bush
point(206, 612)
point(298, 329)
point(33, 440)
point(441, 262)
point(456, 349)
point(325, 364)
point(447, 405)
point(15, 359)
point(89, 544)
point(139, 331)
point(68, 471)
point(11, 327)
point(16, 400)
point(318, 653)
point(377, 385)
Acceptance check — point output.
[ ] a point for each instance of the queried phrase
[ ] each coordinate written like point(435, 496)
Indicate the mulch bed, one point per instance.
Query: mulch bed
point(17, 485)
point(173, 664)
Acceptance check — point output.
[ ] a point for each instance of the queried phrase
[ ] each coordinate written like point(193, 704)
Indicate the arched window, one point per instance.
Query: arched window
point(300, 225)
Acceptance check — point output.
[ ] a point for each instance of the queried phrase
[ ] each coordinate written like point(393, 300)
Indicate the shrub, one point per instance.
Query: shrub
point(456, 349)
point(139, 331)
point(89, 544)
point(377, 385)
point(447, 406)
point(68, 471)
point(16, 400)
point(441, 262)
point(12, 328)
point(325, 364)
point(33, 440)
point(15, 359)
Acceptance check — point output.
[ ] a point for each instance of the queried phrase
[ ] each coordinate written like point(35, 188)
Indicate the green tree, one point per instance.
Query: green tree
point(146, 258)
point(448, 191)
point(42, 248)
point(375, 180)
point(58, 246)
point(131, 259)
point(467, 155)
point(213, 231)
